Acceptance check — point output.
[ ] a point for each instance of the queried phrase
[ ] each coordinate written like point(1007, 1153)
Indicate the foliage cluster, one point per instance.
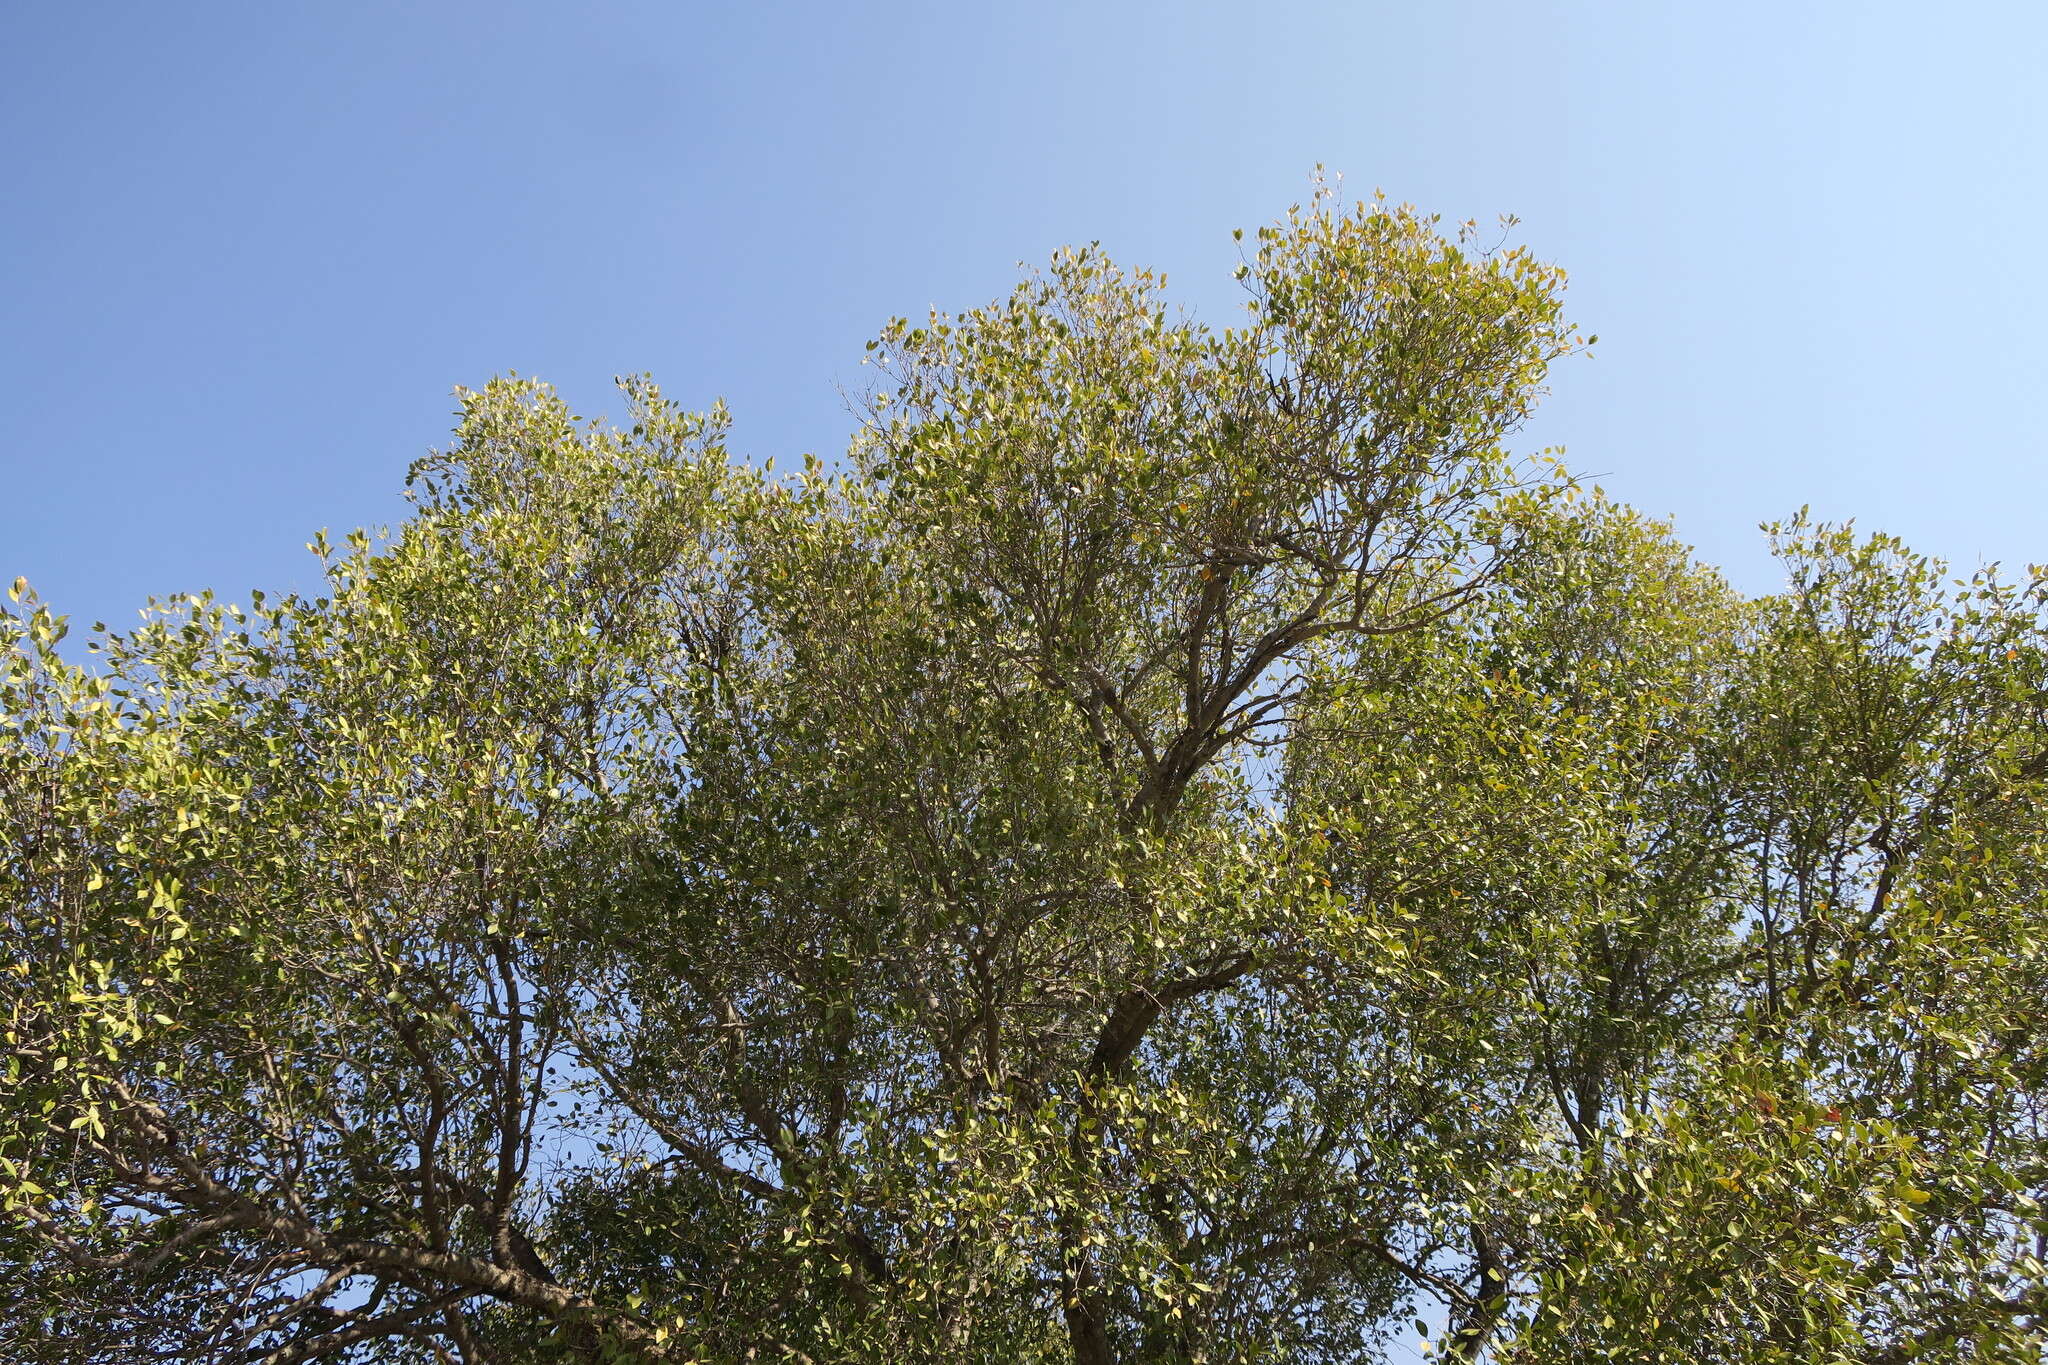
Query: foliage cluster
point(1181, 849)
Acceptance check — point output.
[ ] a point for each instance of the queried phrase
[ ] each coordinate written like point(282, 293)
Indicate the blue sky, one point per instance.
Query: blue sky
point(246, 251)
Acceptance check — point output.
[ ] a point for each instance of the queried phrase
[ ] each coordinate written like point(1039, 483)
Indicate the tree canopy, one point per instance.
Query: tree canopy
point(1181, 847)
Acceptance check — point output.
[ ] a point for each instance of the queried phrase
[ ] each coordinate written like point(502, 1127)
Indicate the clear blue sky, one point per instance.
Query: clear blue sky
point(246, 250)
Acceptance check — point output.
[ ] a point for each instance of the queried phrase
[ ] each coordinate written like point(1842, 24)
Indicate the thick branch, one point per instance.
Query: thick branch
point(1137, 1010)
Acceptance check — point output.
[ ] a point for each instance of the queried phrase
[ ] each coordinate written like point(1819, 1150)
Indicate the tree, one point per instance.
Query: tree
point(1181, 848)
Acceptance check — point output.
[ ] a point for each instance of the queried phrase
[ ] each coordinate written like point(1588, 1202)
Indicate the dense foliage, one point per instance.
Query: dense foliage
point(1181, 848)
